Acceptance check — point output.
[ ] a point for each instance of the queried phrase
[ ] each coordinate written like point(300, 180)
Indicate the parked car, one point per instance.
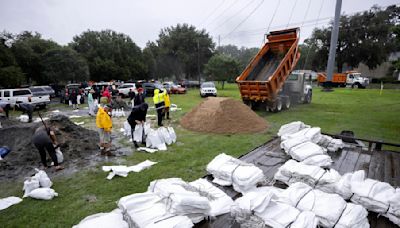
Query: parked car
point(177, 89)
point(42, 90)
point(208, 89)
point(149, 88)
point(23, 95)
point(125, 88)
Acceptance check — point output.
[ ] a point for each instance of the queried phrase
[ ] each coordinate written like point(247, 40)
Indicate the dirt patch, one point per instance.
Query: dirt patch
point(223, 115)
point(79, 146)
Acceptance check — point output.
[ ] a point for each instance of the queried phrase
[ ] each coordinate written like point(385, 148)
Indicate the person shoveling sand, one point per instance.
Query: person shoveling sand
point(224, 116)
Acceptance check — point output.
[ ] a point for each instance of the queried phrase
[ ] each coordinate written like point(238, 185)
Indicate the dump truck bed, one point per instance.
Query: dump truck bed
point(266, 73)
point(378, 165)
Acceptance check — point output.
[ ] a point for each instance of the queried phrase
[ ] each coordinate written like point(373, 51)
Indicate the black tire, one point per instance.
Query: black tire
point(278, 105)
point(308, 97)
point(355, 86)
point(287, 103)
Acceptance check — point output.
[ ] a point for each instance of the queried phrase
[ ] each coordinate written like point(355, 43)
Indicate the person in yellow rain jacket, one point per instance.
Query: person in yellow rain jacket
point(167, 105)
point(158, 100)
point(104, 123)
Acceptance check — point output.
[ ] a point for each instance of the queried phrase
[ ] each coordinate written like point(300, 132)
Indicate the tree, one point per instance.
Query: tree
point(110, 55)
point(10, 73)
point(242, 55)
point(28, 50)
point(184, 50)
point(222, 68)
point(64, 64)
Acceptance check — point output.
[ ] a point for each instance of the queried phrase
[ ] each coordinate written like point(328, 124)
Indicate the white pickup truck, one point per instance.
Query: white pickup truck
point(23, 95)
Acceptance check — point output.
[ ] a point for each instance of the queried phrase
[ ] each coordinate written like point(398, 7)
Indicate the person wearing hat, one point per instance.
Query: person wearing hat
point(159, 103)
point(104, 123)
point(91, 102)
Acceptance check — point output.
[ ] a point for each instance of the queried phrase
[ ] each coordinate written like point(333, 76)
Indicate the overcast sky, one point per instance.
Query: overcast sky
point(239, 22)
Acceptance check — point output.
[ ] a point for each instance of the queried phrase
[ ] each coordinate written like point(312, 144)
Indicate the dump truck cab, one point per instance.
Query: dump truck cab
point(298, 87)
point(355, 80)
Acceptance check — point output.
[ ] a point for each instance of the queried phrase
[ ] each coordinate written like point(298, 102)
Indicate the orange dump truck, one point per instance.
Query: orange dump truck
point(264, 81)
point(350, 78)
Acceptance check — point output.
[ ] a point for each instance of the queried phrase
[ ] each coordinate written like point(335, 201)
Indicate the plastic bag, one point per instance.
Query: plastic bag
point(153, 141)
point(44, 180)
point(164, 135)
point(172, 134)
point(138, 133)
point(60, 156)
point(9, 201)
point(30, 185)
point(43, 193)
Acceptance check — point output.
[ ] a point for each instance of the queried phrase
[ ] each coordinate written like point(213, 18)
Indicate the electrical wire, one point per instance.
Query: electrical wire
point(273, 15)
point(222, 13)
point(234, 15)
point(291, 13)
point(305, 15)
point(245, 19)
point(309, 49)
point(212, 12)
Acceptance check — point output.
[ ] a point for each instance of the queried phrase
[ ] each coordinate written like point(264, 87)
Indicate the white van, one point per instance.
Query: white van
point(23, 95)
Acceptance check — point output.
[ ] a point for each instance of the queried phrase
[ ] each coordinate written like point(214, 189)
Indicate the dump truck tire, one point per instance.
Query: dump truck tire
point(287, 103)
point(308, 98)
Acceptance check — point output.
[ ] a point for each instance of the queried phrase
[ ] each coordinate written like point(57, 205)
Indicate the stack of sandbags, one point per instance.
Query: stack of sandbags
point(327, 180)
point(38, 186)
point(147, 209)
point(180, 199)
point(104, 220)
point(220, 202)
point(291, 128)
point(331, 209)
point(379, 197)
point(263, 203)
point(301, 131)
point(231, 171)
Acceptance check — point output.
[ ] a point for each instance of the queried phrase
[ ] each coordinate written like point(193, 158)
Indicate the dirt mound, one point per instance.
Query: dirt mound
point(223, 115)
point(77, 144)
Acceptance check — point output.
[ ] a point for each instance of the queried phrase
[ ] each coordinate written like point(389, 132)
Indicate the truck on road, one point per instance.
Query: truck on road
point(348, 78)
point(264, 80)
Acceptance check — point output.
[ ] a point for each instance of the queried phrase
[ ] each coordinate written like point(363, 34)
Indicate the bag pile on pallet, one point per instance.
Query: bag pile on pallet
point(38, 186)
point(306, 144)
point(228, 171)
point(167, 203)
point(262, 207)
point(327, 180)
point(331, 209)
point(379, 197)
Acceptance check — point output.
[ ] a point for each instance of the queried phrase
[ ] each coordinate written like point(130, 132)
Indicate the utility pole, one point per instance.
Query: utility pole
point(332, 48)
point(198, 59)
point(219, 40)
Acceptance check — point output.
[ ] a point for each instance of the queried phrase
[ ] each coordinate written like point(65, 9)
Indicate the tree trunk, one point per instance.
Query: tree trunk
point(223, 82)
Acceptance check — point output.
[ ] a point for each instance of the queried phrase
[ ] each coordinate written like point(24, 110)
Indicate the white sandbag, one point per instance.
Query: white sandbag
point(290, 143)
point(148, 150)
point(9, 201)
point(263, 203)
point(23, 118)
point(138, 133)
point(44, 180)
point(305, 151)
point(231, 171)
point(127, 129)
point(153, 141)
point(59, 155)
point(74, 116)
point(321, 160)
point(123, 170)
point(220, 202)
point(291, 128)
point(331, 209)
point(164, 135)
point(172, 134)
point(312, 133)
point(30, 184)
point(379, 197)
point(104, 220)
point(43, 193)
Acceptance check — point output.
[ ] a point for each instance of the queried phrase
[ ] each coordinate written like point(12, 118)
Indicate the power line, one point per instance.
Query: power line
point(247, 5)
point(273, 15)
point(305, 15)
point(245, 19)
point(212, 12)
point(226, 9)
point(291, 13)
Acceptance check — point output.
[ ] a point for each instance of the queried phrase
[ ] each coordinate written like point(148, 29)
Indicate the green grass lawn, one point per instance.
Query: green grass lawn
point(365, 112)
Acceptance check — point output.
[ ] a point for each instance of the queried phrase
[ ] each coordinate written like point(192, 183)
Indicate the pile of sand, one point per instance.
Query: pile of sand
point(79, 146)
point(223, 115)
